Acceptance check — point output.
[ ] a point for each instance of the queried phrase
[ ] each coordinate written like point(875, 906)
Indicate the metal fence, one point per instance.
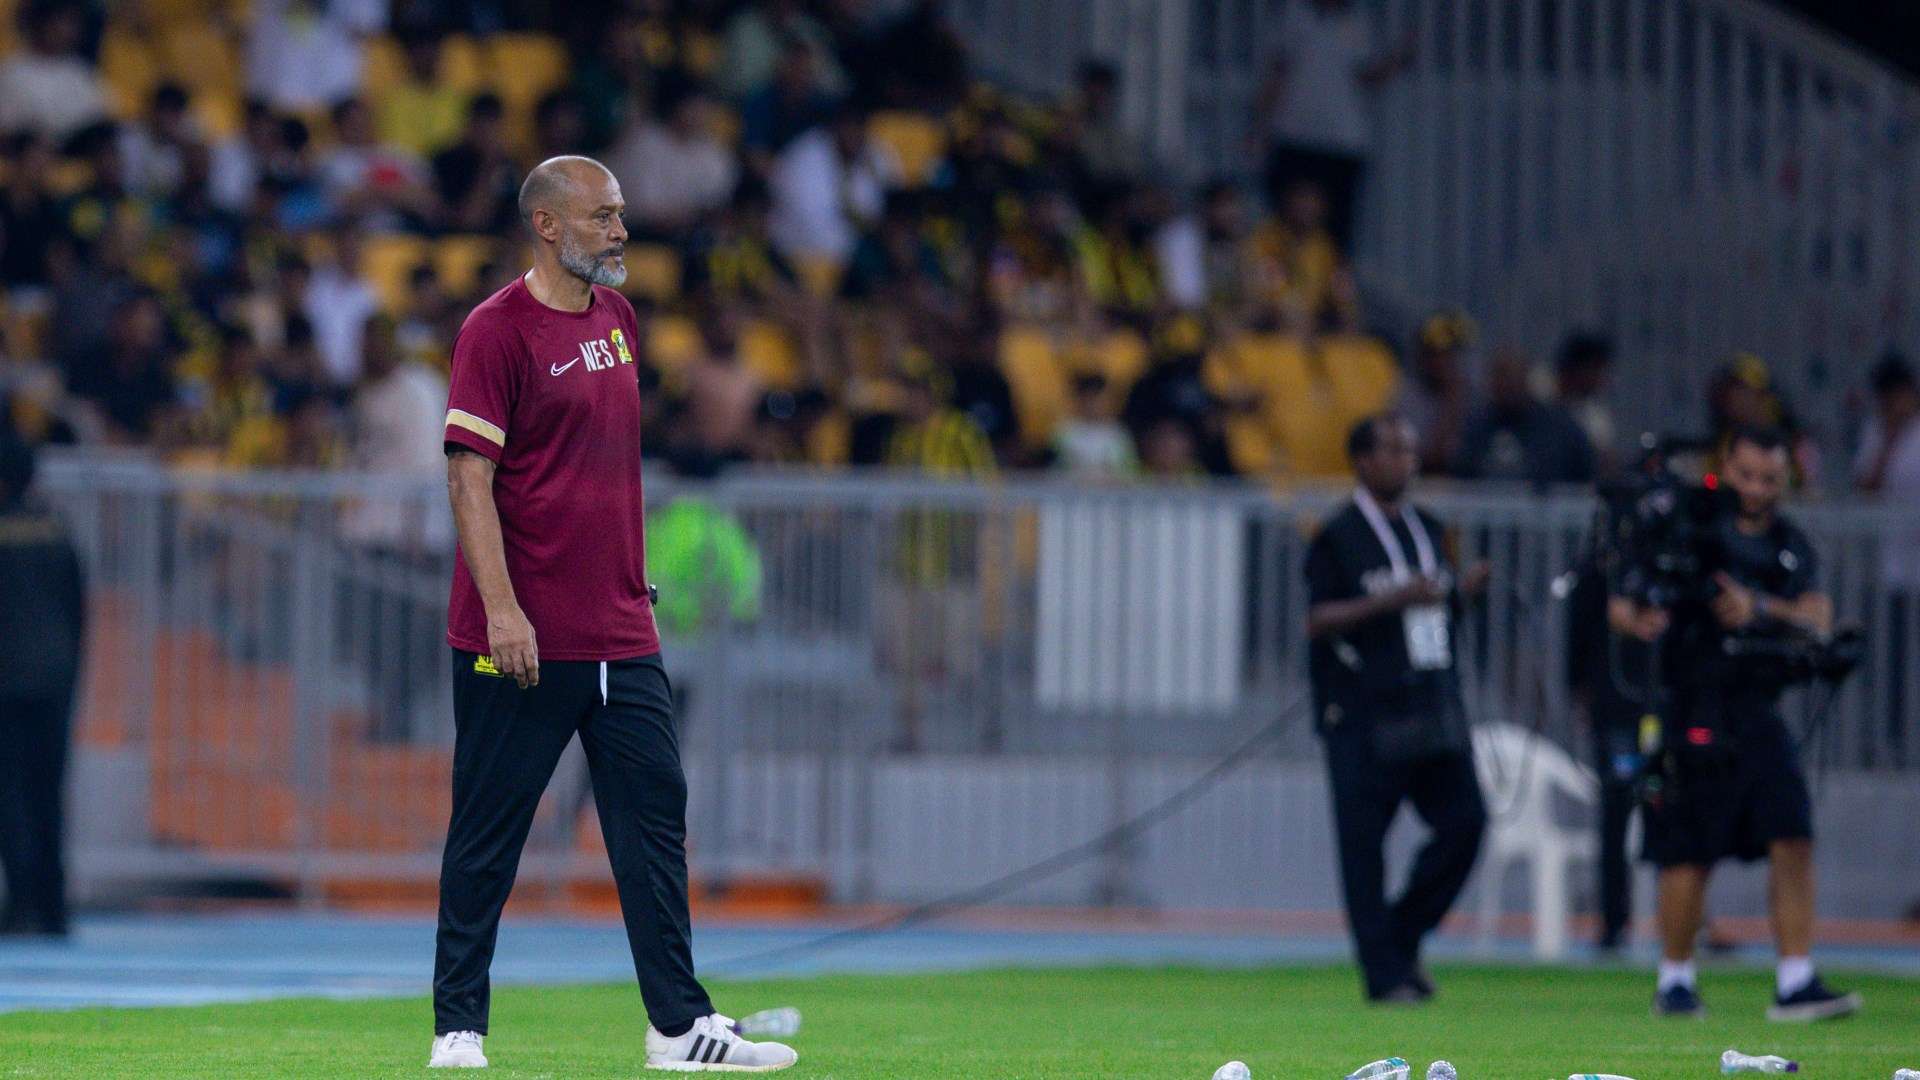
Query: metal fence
point(926, 681)
point(1693, 177)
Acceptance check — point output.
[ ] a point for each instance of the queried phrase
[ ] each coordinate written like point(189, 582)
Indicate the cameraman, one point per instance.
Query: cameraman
point(1731, 784)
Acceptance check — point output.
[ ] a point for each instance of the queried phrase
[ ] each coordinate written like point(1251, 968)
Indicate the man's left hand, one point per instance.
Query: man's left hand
point(1473, 580)
point(1735, 605)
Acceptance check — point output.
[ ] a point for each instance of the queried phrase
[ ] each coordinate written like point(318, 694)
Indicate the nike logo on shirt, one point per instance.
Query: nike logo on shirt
point(558, 368)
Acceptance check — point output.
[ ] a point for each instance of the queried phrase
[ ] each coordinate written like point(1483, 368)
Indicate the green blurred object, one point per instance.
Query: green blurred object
point(702, 560)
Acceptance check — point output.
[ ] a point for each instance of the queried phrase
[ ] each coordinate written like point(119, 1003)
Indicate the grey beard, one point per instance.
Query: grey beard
point(590, 269)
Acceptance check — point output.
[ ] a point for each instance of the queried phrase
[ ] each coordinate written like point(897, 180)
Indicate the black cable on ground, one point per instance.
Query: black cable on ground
point(1026, 875)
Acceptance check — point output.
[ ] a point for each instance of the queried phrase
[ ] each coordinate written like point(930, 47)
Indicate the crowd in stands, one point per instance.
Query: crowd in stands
point(244, 235)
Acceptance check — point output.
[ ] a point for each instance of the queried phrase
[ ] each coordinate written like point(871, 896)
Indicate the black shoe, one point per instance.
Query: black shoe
point(1407, 993)
point(1680, 1001)
point(1420, 980)
point(1813, 1002)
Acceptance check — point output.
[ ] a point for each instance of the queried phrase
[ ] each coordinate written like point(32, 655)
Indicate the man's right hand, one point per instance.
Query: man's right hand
point(510, 636)
point(1632, 620)
point(1422, 591)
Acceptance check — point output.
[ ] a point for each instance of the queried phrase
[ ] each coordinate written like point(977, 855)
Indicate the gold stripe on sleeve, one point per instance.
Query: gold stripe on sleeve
point(490, 432)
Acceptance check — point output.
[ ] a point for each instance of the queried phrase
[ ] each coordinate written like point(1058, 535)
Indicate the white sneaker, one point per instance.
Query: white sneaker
point(457, 1050)
point(711, 1045)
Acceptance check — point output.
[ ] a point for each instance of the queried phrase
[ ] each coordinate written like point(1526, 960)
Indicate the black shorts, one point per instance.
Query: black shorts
point(1734, 805)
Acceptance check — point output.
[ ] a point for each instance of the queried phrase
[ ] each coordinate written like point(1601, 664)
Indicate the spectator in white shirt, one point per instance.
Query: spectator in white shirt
point(304, 54)
point(1889, 466)
point(154, 153)
point(828, 185)
point(671, 167)
point(1314, 103)
point(48, 87)
point(338, 301)
point(1888, 463)
point(1091, 443)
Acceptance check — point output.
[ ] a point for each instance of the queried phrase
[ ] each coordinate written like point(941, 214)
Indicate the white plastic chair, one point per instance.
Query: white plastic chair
point(1522, 774)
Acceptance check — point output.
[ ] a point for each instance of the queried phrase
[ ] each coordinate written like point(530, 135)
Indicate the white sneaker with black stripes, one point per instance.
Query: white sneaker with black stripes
point(711, 1045)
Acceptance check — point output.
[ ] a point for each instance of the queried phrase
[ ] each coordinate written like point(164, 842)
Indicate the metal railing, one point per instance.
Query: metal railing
point(1693, 177)
point(934, 680)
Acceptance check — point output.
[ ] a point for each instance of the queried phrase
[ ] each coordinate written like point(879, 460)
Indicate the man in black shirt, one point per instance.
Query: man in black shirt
point(1383, 607)
point(42, 618)
point(1732, 785)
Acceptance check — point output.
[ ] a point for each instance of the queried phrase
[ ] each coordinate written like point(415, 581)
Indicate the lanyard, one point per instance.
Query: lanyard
point(1397, 556)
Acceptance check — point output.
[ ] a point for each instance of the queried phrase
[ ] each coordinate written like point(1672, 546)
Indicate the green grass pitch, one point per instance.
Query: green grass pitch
point(1494, 1023)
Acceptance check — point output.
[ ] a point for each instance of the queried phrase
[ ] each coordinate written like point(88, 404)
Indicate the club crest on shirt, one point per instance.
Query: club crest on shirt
point(620, 346)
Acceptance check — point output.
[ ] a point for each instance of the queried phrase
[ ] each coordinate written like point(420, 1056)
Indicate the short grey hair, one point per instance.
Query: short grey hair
point(554, 178)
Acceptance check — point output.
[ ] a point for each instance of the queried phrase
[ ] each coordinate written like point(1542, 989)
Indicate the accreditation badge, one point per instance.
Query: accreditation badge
point(1429, 640)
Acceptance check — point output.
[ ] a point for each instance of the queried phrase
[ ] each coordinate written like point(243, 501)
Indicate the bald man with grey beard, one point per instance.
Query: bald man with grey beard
point(551, 626)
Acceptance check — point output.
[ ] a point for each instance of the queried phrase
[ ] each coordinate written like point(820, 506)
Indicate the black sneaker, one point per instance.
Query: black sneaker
point(1679, 1001)
point(1404, 994)
point(1813, 1002)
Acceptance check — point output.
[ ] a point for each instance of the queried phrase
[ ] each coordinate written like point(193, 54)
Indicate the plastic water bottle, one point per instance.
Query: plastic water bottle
point(1733, 1061)
point(1442, 1070)
point(770, 1023)
point(1233, 1070)
point(1392, 1068)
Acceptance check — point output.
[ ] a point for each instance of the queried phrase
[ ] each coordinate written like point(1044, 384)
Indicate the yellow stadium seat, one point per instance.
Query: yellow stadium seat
point(130, 71)
point(1122, 356)
point(767, 350)
point(723, 123)
point(819, 273)
point(673, 342)
point(199, 55)
point(1250, 445)
point(457, 261)
point(525, 66)
point(386, 260)
point(1362, 372)
point(219, 113)
point(462, 65)
point(918, 142)
point(653, 270)
point(1037, 380)
point(383, 66)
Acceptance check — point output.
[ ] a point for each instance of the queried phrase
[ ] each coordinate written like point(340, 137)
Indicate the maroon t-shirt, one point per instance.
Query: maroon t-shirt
point(553, 399)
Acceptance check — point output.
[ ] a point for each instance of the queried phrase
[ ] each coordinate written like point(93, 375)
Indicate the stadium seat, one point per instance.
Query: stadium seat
point(386, 260)
point(1037, 380)
point(1362, 372)
point(653, 271)
point(1525, 775)
point(819, 273)
point(769, 351)
point(198, 55)
point(383, 67)
point(130, 71)
point(522, 67)
point(917, 140)
point(462, 64)
point(457, 261)
point(673, 342)
point(219, 112)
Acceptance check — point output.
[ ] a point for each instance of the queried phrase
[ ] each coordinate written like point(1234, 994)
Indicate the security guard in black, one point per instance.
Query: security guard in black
point(1383, 605)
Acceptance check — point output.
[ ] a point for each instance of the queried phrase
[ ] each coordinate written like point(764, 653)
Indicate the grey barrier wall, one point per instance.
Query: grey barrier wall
point(891, 686)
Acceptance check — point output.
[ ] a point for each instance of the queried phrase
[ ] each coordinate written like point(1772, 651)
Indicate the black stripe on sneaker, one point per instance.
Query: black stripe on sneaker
point(698, 1040)
point(713, 1047)
point(722, 1055)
